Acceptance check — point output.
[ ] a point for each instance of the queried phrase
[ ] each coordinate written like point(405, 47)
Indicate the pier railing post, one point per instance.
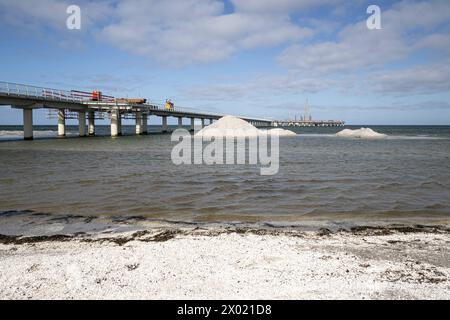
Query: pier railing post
point(28, 124)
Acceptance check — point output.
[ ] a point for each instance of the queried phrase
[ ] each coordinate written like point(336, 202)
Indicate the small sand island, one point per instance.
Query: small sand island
point(363, 133)
point(231, 126)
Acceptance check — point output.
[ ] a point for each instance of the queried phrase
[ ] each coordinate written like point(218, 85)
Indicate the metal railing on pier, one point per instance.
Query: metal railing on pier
point(21, 90)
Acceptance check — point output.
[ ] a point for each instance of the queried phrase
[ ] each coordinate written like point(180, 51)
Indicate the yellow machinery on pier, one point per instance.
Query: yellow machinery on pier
point(169, 105)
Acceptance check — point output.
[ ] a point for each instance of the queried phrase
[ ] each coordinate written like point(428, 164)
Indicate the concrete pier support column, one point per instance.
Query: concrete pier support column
point(164, 124)
point(91, 118)
point(61, 123)
point(180, 122)
point(28, 124)
point(192, 124)
point(82, 123)
point(138, 123)
point(115, 123)
point(203, 123)
point(119, 123)
point(144, 123)
point(210, 121)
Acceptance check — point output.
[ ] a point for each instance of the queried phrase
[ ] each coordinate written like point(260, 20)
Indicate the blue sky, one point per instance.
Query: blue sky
point(245, 57)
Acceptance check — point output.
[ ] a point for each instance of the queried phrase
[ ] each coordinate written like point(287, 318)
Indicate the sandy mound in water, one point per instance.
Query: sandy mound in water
point(230, 126)
point(281, 132)
point(363, 133)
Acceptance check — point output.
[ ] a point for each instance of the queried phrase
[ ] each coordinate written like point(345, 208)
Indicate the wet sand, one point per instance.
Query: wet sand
point(396, 262)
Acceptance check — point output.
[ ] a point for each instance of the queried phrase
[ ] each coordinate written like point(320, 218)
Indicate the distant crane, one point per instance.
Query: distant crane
point(307, 113)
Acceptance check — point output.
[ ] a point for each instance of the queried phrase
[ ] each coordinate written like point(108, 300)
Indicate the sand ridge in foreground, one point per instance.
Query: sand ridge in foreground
point(224, 264)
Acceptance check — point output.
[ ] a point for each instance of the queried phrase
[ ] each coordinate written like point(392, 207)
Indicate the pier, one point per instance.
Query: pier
point(306, 120)
point(308, 123)
point(87, 107)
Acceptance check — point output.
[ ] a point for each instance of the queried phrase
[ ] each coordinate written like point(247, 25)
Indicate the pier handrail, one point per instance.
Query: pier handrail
point(22, 90)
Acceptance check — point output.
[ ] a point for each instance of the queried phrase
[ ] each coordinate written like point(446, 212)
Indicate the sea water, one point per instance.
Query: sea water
point(322, 178)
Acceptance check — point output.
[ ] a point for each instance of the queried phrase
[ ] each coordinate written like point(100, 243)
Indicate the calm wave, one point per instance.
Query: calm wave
point(321, 177)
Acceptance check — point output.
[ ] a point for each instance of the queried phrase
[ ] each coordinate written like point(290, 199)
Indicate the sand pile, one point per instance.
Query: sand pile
point(281, 132)
point(230, 126)
point(363, 133)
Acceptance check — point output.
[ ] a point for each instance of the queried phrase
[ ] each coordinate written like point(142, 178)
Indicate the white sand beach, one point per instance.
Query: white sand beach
point(229, 264)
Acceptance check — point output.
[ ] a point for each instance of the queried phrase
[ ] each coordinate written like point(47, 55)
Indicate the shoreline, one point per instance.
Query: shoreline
point(158, 233)
point(28, 223)
point(395, 262)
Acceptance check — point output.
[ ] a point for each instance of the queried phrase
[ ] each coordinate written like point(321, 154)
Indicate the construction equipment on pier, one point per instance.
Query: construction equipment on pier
point(131, 101)
point(95, 95)
point(169, 105)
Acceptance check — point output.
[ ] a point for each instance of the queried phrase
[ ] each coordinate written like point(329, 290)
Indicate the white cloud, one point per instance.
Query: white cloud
point(408, 28)
point(439, 42)
point(181, 32)
point(174, 32)
point(357, 47)
point(422, 79)
point(260, 89)
point(28, 14)
point(279, 6)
